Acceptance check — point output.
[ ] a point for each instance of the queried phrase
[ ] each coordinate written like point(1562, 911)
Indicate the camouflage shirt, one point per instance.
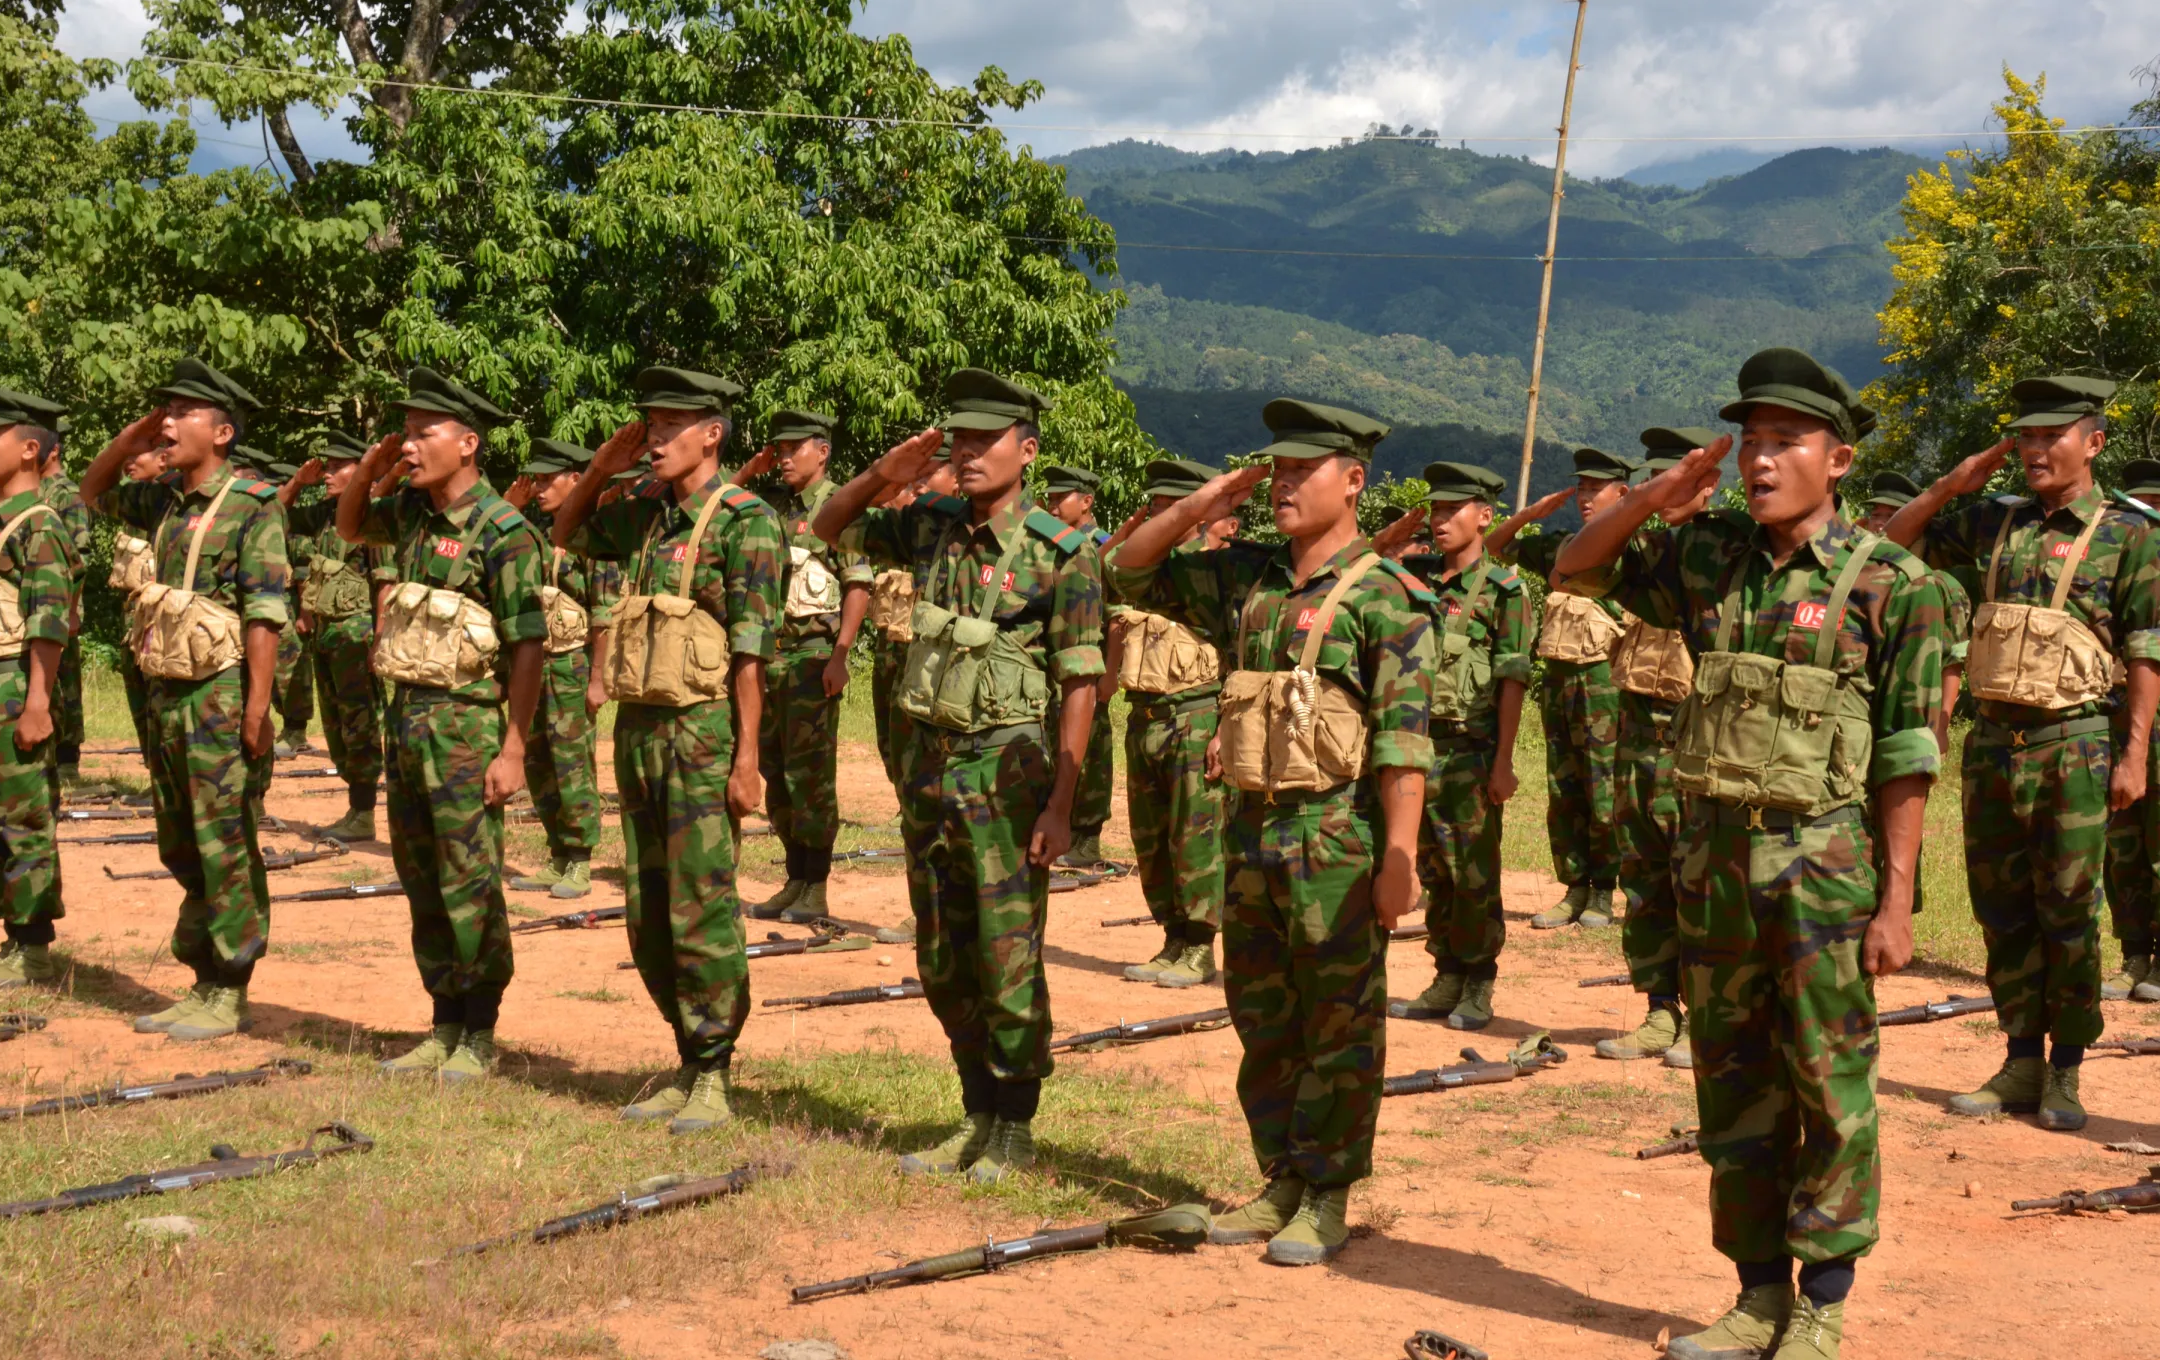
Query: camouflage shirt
point(243, 565)
point(42, 564)
point(1497, 622)
point(814, 632)
point(1958, 612)
point(1051, 598)
point(313, 533)
point(61, 493)
point(1892, 638)
point(500, 569)
point(736, 577)
point(2117, 589)
point(1536, 553)
point(1379, 645)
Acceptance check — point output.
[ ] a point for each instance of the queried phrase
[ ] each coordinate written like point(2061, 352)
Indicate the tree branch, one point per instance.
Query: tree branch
point(457, 16)
point(359, 40)
point(289, 146)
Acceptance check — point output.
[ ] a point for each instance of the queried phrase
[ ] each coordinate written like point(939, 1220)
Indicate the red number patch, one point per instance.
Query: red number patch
point(2060, 550)
point(1306, 618)
point(448, 547)
point(193, 520)
point(1810, 615)
point(678, 552)
point(1454, 607)
point(990, 571)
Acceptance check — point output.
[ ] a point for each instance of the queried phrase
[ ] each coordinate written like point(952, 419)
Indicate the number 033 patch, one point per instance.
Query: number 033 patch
point(448, 547)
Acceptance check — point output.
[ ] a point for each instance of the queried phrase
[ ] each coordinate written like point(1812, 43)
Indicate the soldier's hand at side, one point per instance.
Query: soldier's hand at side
point(256, 734)
point(1973, 474)
point(745, 790)
point(505, 776)
point(2127, 785)
point(304, 622)
point(910, 458)
point(1395, 888)
point(1214, 760)
point(1888, 944)
point(595, 697)
point(33, 728)
point(836, 674)
point(1051, 838)
point(1502, 784)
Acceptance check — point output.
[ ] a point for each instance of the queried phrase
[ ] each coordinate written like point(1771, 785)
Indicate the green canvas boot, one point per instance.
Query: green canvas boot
point(26, 965)
point(1474, 1011)
point(357, 825)
point(1086, 853)
point(576, 880)
point(161, 1021)
point(771, 907)
point(1747, 1332)
point(1658, 1032)
point(1681, 1054)
point(1599, 913)
point(287, 746)
point(2149, 989)
point(2059, 1107)
point(475, 1058)
point(1267, 1214)
point(1567, 913)
point(808, 906)
point(540, 880)
point(668, 1101)
point(223, 1011)
point(893, 935)
point(425, 1058)
point(2135, 969)
point(956, 1153)
point(2016, 1089)
point(1318, 1231)
point(1010, 1151)
point(1194, 966)
point(1172, 946)
point(1433, 1003)
point(1815, 1332)
point(707, 1107)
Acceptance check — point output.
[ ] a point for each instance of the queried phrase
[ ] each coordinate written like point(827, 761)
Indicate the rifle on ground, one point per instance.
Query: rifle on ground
point(576, 920)
point(1534, 1054)
point(105, 814)
point(2144, 1195)
point(1116, 921)
point(1065, 883)
point(1431, 1345)
point(15, 1024)
point(290, 860)
point(184, 1084)
point(1141, 1030)
point(649, 1197)
point(224, 1165)
point(831, 938)
point(886, 853)
point(906, 989)
point(1605, 980)
point(326, 772)
point(1181, 1226)
point(1407, 933)
point(1684, 1141)
point(124, 838)
point(1932, 1011)
point(347, 893)
point(2130, 1048)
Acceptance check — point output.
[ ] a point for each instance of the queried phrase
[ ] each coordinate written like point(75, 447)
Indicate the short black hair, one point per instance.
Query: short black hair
point(1029, 430)
point(234, 419)
point(48, 440)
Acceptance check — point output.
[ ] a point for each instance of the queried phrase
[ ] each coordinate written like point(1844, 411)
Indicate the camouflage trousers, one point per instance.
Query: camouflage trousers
point(1781, 1018)
point(138, 697)
point(350, 698)
point(1581, 708)
point(29, 790)
point(967, 811)
point(295, 701)
point(799, 750)
point(1091, 797)
point(2036, 821)
point(446, 842)
point(1176, 812)
point(67, 703)
point(200, 778)
point(1459, 857)
point(1648, 808)
point(2133, 863)
point(1305, 970)
point(891, 722)
point(560, 767)
point(672, 767)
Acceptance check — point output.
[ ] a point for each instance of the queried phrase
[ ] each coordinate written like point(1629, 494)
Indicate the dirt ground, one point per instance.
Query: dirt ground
point(1546, 1238)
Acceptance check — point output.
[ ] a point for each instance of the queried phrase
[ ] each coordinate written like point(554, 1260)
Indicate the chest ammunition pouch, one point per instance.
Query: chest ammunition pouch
point(180, 635)
point(134, 565)
point(2041, 658)
point(812, 588)
point(1295, 730)
point(1464, 671)
point(962, 672)
point(892, 605)
point(567, 622)
point(13, 630)
point(1654, 662)
point(438, 637)
point(335, 587)
point(1163, 656)
point(667, 651)
point(1577, 629)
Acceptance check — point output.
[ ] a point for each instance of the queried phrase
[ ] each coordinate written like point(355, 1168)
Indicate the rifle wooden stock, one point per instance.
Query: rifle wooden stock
point(1065, 883)
point(1180, 1226)
point(776, 945)
point(15, 1024)
point(224, 1165)
point(180, 1086)
point(1116, 921)
point(2135, 1048)
point(1474, 1070)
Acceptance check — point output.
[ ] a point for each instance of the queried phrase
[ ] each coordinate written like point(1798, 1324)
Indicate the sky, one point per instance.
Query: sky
point(1280, 74)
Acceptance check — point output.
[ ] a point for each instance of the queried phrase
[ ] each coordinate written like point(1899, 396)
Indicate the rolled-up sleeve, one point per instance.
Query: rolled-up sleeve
point(1511, 657)
point(262, 574)
point(1074, 639)
point(1908, 681)
point(514, 581)
point(751, 561)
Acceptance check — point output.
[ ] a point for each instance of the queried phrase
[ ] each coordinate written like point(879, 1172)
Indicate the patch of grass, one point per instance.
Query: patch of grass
point(602, 994)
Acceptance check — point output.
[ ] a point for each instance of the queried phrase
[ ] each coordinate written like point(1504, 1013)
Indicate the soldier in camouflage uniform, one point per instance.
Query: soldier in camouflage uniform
point(560, 763)
point(824, 596)
point(146, 466)
point(1581, 709)
point(988, 801)
point(1069, 496)
point(1174, 807)
point(455, 756)
point(1477, 689)
point(210, 738)
point(337, 617)
point(58, 490)
point(687, 774)
point(2041, 780)
point(40, 567)
point(1784, 923)
point(296, 650)
point(1315, 879)
point(891, 651)
point(2133, 848)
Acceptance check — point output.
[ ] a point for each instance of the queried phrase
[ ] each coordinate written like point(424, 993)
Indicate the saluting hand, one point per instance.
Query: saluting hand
point(760, 463)
point(1973, 474)
point(1550, 504)
point(1402, 531)
point(520, 491)
point(1692, 476)
point(310, 474)
point(1223, 495)
point(910, 458)
point(620, 452)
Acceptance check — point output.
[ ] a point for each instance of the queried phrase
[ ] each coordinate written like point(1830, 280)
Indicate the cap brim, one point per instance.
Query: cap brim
point(2149, 489)
point(1894, 502)
point(1308, 453)
point(544, 468)
point(2048, 420)
point(1737, 412)
point(1178, 491)
point(433, 407)
point(979, 420)
point(790, 436)
point(1602, 475)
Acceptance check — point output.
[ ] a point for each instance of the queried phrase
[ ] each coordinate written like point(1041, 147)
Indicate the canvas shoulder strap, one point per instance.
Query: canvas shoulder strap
point(202, 527)
point(7, 535)
point(2068, 574)
point(1826, 636)
point(697, 537)
point(1326, 617)
point(2002, 536)
point(1473, 589)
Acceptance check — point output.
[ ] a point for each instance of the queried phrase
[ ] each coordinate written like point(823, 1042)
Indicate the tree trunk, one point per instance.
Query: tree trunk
point(289, 146)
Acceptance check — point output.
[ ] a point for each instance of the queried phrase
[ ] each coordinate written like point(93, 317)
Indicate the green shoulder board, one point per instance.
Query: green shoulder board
point(1909, 566)
point(739, 500)
point(1410, 580)
point(938, 503)
point(1063, 537)
point(1508, 580)
point(250, 486)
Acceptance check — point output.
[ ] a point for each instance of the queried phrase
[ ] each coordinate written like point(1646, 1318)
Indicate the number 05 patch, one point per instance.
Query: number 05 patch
point(1808, 614)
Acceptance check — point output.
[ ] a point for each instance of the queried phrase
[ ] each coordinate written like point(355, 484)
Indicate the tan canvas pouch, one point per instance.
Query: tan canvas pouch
point(1576, 629)
point(568, 623)
point(1162, 656)
point(438, 637)
point(666, 650)
point(892, 605)
point(13, 632)
point(1654, 662)
point(963, 673)
point(178, 634)
point(2040, 658)
point(812, 588)
point(1296, 730)
point(133, 564)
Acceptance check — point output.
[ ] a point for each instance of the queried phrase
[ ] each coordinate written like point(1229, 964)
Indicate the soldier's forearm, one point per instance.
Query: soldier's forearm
point(259, 647)
point(1076, 714)
point(1509, 709)
point(1911, 520)
point(846, 505)
point(854, 608)
point(42, 657)
point(525, 664)
point(1601, 541)
point(1900, 811)
point(2144, 692)
point(1402, 808)
point(1154, 540)
point(746, 683)
point(577, 507)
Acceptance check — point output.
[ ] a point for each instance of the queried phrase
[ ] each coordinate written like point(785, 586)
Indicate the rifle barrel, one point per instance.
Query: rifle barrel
point(967, 1261)
point(2141, 1196)
point(1674, 1148)
point(667, 1192)
point(1605, 980)
point(907, 989)
point(160, 1090)
point(1127, 921)
point(224, 1165)
point(351, 891)
point(1449, 1078)
point(1140, 1030)
point(1931, 1011)
point(576, 920)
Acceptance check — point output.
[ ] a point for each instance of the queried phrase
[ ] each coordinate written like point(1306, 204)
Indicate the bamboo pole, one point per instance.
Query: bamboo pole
point(1552, 245)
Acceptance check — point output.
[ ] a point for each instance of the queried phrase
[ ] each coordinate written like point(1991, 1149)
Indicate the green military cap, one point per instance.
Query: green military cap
point(1463, 482)
point(1797, 382)
point(1178, 477)
point(789, 425)
point(248, 458)
point(1600, 466)
point(20, 408)
point(280, 470)
point(1057, 479)
point(427, 390)
point(2141, 477)
point(198, 381)
point(944, 453)
point(1306, 429)
point(977, 399)
point(2048, 402)
point(1891, 488)
point(550, 456)
point(1665, 445)
point(340, 447)
point(682, 389)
